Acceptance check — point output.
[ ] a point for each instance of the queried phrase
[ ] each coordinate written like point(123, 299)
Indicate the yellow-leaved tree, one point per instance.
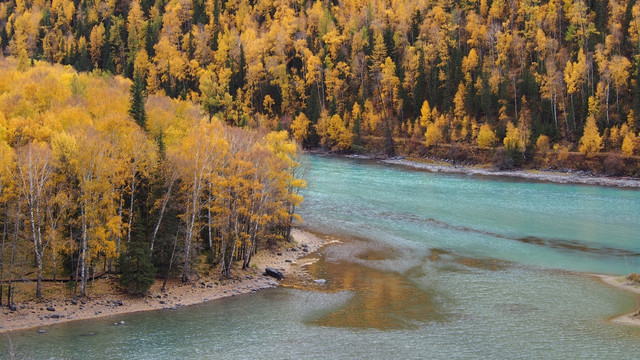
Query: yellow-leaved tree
point(434, 132)
point(198, 158)
point(591, 141)
point(288, 153)
point(300, 128)
point(512, 140)
point(32, 173)
point(92, 161)
point(630, 143)
point(486, 137)
point(333, 132)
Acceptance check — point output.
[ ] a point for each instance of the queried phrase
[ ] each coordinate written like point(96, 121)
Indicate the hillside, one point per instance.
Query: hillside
point(93, 183)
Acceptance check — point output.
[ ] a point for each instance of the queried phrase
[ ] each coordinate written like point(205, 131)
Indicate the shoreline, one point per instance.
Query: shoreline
point(621, 282)
point(529, 175)
point(555, 177)
point(35, 315)
point(32, 314)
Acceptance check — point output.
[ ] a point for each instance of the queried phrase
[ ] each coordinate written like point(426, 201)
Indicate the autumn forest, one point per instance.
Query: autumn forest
point(376, 76)
point(93, 183)
point(162, 129)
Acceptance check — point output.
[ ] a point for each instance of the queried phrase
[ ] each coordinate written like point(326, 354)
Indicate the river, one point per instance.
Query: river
point(429, 266)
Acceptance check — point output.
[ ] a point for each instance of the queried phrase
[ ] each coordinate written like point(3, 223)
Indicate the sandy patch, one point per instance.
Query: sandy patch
point(621, 282)
point(42, 314)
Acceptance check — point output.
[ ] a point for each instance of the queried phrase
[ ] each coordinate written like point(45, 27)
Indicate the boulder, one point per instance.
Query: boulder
point(13, 307)
point(51, 308)
point(320, 281)
point(273, 273)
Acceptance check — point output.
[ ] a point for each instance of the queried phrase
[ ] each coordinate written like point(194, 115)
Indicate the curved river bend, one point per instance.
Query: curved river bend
point(430, 266)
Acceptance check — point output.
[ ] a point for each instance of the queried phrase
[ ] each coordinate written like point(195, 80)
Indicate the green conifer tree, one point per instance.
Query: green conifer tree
point(137, 101)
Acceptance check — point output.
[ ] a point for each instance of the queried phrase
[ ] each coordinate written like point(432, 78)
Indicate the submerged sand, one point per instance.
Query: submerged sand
point(621, 282)
point(35, 314)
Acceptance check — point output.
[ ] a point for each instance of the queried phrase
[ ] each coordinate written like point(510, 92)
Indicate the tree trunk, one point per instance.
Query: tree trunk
point(120, 226)
point(607, 104)
point(515, 95)
point(209, 220)
point(555, 110)
point(4, 237)
point(165, 201)
point(133, 189)
point(39, 281)
point(14, 245)
point(83, 252)
point(173, 252)
point(234, 247)
point(53, 257)
point(37, 247)
point(573, 113)
point(190, 226)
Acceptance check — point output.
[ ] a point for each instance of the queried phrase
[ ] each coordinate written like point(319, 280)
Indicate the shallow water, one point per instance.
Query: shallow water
point(569, 227)
point(430, 266)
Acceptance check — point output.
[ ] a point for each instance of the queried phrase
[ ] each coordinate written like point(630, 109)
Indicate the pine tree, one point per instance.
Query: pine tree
point(4, 38)
point(137, 101)
point(83, 62)
point(138, 272)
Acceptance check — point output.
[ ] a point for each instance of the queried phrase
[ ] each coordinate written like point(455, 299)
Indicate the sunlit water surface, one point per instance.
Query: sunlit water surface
point(430, 266)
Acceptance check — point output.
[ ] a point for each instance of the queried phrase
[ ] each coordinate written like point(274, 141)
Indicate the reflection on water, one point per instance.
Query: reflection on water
point(380, 299)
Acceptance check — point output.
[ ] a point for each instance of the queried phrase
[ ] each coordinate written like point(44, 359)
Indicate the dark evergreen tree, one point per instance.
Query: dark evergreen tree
point(137, 101)
point(4, 38)
point(238, 76)
point(83, 62)
point(138, 272)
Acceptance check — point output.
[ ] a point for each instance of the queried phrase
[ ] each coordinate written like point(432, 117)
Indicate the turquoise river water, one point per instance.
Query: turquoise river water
point(429, 266)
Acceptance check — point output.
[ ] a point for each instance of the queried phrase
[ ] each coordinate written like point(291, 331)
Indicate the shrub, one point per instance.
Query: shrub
point(613, 165)
point(542, 145)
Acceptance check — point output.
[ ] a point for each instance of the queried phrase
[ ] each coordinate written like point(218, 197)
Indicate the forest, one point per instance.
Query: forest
point(525, 77)
point(175, 124)
point(96, 179)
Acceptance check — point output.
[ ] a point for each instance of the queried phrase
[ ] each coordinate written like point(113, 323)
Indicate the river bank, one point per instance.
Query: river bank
point(529, 175)
point(621, 282)
point(112, 303)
